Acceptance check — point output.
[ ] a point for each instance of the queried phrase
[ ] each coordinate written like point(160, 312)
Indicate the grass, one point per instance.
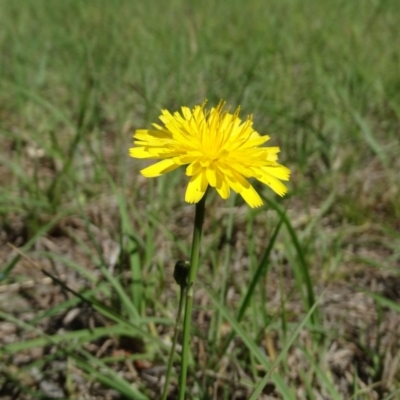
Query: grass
point(77, 78)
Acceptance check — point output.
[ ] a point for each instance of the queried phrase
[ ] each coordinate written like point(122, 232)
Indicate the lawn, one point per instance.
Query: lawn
point(297, 299)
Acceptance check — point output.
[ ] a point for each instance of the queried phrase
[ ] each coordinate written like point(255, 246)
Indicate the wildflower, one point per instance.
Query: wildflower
point(219, 150)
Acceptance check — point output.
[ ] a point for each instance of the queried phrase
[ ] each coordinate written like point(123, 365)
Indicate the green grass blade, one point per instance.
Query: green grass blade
point(250, 344)
point(303, 266)
point(255, 395)
point(261, 269)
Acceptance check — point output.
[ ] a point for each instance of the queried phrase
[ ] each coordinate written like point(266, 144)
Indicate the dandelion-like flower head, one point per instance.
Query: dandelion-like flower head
point(218, 148)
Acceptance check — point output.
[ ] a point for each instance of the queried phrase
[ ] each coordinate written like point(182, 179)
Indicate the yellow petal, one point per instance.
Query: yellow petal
point(221, 150)
point(243, 187)
point(278, 171)
point(148, 134)
point(186, 113)
point(159, 168)
point(225, 170)
point(251, 197)
point(254, 142)
point(242, 169)
point(222, 186)
point(196, 188)
point(211, 174)
point(193, 168)
point(275, 184)
point(272, 153)
point(184, 159)
point(140, 152)
point(166, 116)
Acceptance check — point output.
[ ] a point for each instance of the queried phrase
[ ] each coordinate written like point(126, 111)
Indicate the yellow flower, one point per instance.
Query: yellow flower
point(220, 149)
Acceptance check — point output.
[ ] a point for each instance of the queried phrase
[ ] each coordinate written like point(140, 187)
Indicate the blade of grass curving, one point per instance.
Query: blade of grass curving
point(282, 302)
point(283, 389)
point(306, 279)
point(307, 383)
point(292, 258)
point(255, 395)
point(323, 378)
point(250, 344)
point(261, 269)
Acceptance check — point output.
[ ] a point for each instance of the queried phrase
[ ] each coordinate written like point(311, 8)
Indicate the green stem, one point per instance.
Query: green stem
point(194, 261)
